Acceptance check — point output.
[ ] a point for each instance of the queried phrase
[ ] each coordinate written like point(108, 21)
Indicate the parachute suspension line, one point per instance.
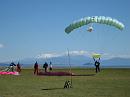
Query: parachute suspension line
point(70, 68)
point(46, 59)
point(68, 83)
point(101, 42)
point(99, 39)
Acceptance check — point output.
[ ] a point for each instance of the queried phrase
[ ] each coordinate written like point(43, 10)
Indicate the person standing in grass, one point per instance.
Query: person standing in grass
point(18, 67)
point(45, 65)
point(36, 68)
point(97, 64)
point(12, 66)
point(50, 66)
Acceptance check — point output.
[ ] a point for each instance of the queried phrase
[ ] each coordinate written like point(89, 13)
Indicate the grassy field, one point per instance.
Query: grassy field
point(107, 83)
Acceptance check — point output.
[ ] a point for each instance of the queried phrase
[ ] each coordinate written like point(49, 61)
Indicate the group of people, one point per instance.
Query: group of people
point(45, 66)
point(12, 67)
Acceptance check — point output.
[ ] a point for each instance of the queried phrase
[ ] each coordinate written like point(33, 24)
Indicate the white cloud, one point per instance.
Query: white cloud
point(81, 52)
point(50, 55)
point(1, 45)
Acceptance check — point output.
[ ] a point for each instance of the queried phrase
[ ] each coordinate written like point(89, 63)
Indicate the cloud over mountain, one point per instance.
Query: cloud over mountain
point(79, 53)
point(77, 58)
point(59, 54)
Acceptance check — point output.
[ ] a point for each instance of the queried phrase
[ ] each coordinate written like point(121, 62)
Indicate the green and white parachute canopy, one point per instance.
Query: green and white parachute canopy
point(95, 19)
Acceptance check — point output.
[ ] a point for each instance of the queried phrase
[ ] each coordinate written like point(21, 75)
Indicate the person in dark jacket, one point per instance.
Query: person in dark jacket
point(97, 64)
point(12, 66)
point(45, 65)
point(36, 68)
point(18, 67)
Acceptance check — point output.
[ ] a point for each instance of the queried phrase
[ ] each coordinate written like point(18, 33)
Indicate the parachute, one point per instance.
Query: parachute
point(94, 19)
point(96, 55)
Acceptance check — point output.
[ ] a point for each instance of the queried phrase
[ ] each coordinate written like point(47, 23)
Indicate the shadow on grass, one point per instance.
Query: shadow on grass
point(52, 88)
point(84, 75)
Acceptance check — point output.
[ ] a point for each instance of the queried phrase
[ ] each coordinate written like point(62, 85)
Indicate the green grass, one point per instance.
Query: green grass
point(107, 83)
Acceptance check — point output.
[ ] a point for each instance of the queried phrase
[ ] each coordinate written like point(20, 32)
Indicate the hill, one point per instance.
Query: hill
point(75, 60)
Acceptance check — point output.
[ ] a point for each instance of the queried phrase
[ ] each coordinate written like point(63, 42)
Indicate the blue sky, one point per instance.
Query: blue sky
point(35, 27)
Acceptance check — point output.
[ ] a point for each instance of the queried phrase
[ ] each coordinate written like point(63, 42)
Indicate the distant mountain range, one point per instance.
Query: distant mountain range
point(117, 62)
point(75, 60)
